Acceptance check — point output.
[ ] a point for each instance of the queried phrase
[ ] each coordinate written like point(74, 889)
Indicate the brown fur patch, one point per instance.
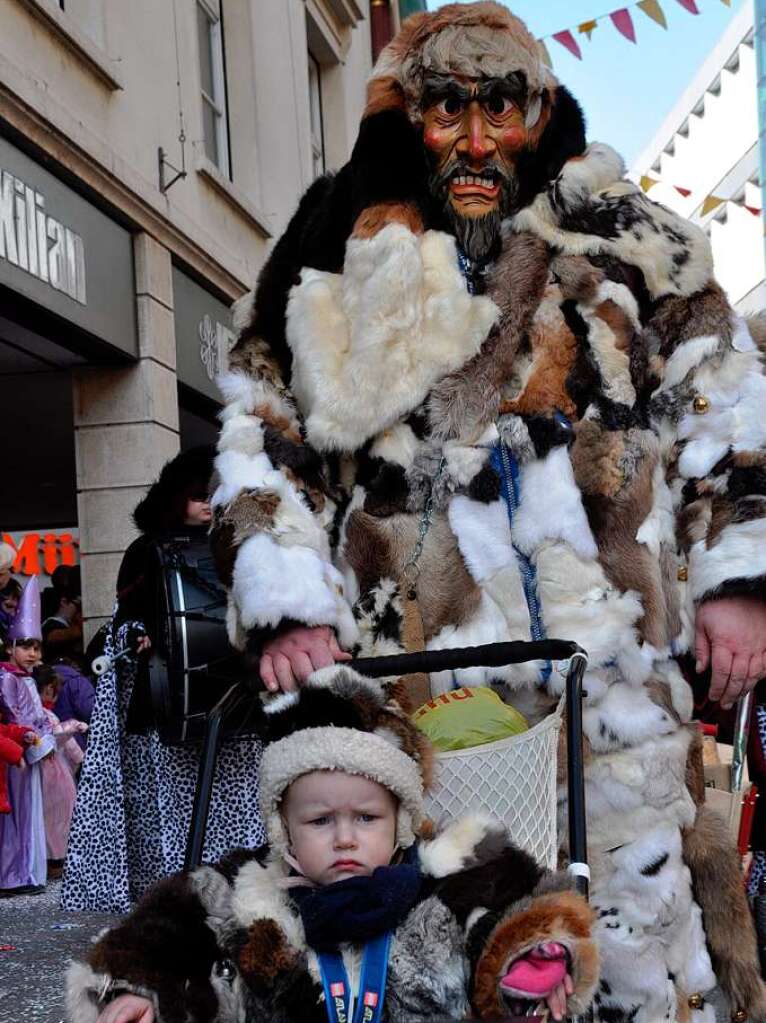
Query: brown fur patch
point(463, 404)
point(250, 512)
point(678, 318)
point(383, 94)
point(618, 322)
point(281, 423)
point(757, 326)
point(722, 514)
point(695, 768)
point(554, 348)
point(266, 953)
point(251, 356)
point(577, 277)
point(597, 459)
point(564, 917)
point(374, 218)
point(712, 858)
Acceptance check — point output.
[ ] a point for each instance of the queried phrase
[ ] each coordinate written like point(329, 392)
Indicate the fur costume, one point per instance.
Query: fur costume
point(228, 943)
point(580, 420)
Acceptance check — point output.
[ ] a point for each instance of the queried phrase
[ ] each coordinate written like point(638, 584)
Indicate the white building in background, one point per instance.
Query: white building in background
point(708, 144)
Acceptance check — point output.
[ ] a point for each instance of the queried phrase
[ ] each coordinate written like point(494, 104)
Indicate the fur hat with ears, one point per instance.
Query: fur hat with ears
point(341, 721)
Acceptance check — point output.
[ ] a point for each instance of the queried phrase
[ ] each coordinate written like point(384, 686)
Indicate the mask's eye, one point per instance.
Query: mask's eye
point(498, 105)
point(450, 106)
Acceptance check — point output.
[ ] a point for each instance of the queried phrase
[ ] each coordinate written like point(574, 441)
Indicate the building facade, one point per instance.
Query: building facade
point(150, 155)
point(706, 150)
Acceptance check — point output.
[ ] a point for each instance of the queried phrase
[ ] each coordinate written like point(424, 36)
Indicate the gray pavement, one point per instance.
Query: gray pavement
point(44, 939)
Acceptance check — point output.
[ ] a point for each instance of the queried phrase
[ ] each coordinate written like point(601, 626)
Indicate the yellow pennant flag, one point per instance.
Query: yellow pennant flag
point(652, 9)
point(727, 2)
point(544, 54)
point(646, 182)
point(711, 203)
point(587, 27)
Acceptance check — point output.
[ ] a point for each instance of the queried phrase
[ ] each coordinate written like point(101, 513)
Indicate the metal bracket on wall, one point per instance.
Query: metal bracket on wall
point(164, 164)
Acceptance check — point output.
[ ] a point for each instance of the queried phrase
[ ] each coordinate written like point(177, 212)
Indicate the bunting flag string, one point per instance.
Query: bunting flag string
point(710, 202)
point(622, 20)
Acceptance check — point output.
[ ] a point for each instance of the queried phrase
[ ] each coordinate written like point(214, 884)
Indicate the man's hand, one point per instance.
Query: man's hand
point(128, 1009)
point(730, 636)
point(291, 658)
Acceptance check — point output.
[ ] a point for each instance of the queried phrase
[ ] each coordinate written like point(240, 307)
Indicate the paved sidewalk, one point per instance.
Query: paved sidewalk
point(45, 938)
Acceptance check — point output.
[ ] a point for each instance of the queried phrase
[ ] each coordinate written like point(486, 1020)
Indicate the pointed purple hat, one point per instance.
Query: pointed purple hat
point(26, 623)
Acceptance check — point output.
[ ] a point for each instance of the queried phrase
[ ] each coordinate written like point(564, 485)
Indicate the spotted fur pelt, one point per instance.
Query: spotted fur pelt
point(226, 943)
point(369, 383)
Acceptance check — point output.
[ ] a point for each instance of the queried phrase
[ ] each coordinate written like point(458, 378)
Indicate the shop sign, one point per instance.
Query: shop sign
point(204, 335)
point(41, 551)
point(60, 252)
point(38, 243)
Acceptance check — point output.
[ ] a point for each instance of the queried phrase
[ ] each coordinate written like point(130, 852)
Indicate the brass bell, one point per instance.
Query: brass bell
point(696, 1001)
point(740, 1016)
point(683, 574)
point(700, 404)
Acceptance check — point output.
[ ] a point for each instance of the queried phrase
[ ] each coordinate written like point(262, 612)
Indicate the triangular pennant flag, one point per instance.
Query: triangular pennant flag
point(646, 182)
point(652, 9)
point(727, 2)
point(752, 209)
point(587, 27)
point(711, 203)
point(545, 56)
point(624, 23)
point(690, 6)
point(568, 40)
point(683, 191)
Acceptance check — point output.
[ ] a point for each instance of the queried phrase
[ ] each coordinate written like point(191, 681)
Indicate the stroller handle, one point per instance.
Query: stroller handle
point(490, 655)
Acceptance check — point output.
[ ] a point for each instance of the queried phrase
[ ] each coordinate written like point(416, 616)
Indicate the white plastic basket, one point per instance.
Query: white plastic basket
point(513, 779)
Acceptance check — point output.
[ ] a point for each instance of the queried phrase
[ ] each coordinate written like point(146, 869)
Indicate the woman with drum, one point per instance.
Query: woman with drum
point(135, 793)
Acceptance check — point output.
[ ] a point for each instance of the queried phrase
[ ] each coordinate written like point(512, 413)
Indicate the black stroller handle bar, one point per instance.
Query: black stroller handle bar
point(490, 655)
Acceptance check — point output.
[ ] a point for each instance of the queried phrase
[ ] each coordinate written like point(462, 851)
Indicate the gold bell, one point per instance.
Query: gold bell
point(696, 1001)
point(683, 574)
point(701, 404)
point(740, 1016)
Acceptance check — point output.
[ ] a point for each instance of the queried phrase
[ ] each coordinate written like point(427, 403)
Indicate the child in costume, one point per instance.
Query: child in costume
point(346, 914)
point(23, 866)
point(13, 739)
point(59, 790)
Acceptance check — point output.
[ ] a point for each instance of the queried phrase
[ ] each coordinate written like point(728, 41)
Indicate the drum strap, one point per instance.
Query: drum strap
point(417, 685)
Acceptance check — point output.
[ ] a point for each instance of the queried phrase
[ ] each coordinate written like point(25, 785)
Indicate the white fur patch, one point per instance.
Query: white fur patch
point(83, 987)
point(688, 356)
point(398, 444)
point(483, 534)
point(739, 553)
point(455, 845)
point(257, 896)
point(369, 344)
point(550, 506)
point(272, 582)
point(626, 716)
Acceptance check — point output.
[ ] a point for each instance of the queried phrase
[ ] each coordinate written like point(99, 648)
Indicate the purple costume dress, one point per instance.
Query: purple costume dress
point(22, 831)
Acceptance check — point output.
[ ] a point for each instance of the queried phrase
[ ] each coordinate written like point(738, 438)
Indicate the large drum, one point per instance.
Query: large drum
point(192, 664)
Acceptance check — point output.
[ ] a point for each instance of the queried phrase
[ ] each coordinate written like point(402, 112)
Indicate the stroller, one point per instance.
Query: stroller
point(537, 749)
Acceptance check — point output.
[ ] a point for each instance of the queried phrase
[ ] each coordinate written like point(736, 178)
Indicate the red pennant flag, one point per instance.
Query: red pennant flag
point(752, 209)
point(624, 23)
point(683, 191)
point(568, 40)
point(690, 6)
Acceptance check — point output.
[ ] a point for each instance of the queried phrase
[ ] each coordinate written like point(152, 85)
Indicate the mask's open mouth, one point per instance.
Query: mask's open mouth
point(484, 184)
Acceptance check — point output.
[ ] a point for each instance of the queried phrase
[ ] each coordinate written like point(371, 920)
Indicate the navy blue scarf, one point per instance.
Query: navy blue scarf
point(359, 908)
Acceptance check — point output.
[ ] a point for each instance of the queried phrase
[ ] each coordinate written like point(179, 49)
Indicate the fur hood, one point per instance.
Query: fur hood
point(187, 475)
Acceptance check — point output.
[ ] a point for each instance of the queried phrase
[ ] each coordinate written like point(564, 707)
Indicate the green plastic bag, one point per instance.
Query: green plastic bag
point(468, 717)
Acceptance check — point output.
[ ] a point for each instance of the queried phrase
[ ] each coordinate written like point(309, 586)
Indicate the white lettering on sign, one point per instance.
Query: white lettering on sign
point(215, 343)
point(37, 243)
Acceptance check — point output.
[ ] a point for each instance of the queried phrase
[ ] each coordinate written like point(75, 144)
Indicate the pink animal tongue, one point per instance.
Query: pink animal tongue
point(537, 973)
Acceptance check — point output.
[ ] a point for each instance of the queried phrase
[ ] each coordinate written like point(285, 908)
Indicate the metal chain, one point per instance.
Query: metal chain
point(411, 570)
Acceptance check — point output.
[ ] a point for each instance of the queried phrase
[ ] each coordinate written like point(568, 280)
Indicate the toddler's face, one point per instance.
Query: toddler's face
point(340, 825)
point(27, 656)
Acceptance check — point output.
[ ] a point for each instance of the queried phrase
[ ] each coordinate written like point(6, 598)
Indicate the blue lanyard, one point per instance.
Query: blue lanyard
point(372, 986)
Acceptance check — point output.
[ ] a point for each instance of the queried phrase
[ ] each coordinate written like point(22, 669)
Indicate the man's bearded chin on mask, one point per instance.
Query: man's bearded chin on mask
point(477, 233)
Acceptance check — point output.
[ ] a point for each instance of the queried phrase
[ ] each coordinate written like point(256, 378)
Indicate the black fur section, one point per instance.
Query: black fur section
point(744, 482)
point(495, 884)
point(187, 475)
point(631, 276)
point(388, 163)
point(300, 459)
point(418, 422)
point(548, 432)
point(316, 708)
point(476, 942)
point(234, 860)
point(165, 945)
point(316, 237)
point(653, 868)
point(385, 484)
point(485, 486)
point(384, 624)
point(562, 138)
point(755, 587)
point(584, 381)
point(292, 996)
